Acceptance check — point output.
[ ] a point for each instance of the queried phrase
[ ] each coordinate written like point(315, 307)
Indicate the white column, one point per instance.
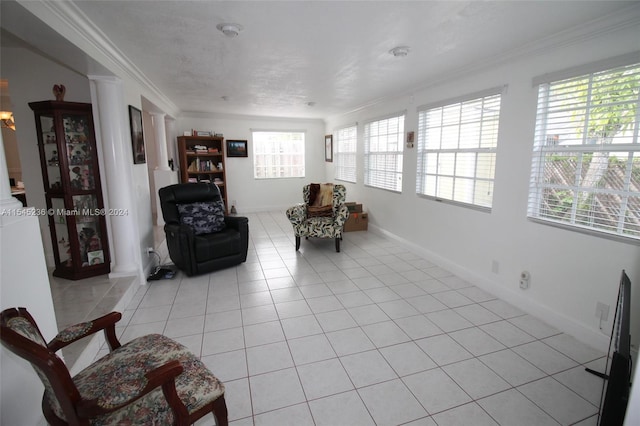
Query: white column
point(157, 118)
point(111, 124)
point(7, 201)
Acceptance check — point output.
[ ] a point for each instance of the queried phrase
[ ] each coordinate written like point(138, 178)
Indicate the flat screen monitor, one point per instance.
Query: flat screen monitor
point(617, 376)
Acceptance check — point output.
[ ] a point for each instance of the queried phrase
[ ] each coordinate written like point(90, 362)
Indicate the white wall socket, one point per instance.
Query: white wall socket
point(602, 311)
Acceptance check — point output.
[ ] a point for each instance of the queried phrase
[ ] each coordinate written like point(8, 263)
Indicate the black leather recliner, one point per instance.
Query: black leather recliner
point(199, 254)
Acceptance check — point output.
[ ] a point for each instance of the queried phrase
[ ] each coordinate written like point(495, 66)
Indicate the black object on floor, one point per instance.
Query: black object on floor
point(162, 274)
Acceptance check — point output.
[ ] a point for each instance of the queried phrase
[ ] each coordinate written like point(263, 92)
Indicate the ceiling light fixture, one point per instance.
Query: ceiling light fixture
point(6, 117)
point(230, 30)
point(400, 51)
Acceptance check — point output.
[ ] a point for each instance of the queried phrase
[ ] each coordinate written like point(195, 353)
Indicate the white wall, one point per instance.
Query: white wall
point(152, 159)
point(140, 183)
point(14, 167)
point(570, 271)
point(23, 283)
point(252, 194)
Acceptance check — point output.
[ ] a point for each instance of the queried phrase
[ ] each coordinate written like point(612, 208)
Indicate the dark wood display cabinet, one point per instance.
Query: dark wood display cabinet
point(73, 192)
point(202, 160)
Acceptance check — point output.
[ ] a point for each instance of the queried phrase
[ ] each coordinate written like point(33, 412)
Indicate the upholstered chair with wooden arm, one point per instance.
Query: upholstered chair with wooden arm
point(320, 216)
point(151, 380)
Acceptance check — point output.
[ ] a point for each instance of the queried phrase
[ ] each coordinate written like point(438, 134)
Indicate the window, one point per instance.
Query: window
point(383, 153)
point(586, 157)
point(457, 150)
point(345, 161)
point(278, 154)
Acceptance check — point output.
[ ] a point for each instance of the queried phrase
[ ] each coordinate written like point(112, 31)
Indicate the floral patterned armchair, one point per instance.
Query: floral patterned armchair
point(329, 226)
point(149, 380)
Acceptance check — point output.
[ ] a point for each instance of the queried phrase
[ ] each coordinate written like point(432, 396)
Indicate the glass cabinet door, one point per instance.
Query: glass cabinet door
point(79, 155)
point(87, 217)
point(51, 154)
point(59, 223)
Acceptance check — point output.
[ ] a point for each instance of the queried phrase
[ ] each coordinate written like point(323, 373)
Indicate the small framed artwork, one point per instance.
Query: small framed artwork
point(137, 137)
point(95, 257)
point(236, 148)
point(328, 148)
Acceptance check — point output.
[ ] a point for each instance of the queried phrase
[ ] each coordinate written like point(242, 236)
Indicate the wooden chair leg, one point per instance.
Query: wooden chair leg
point(297, 243)
point(220, 411)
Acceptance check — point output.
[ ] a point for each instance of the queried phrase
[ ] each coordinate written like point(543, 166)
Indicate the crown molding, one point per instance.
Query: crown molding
point(69, 21)
point(231, 116)
point(628, 17)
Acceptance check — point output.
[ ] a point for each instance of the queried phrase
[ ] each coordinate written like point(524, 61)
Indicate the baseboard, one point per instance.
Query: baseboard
point(261, 209)
point(589, 336)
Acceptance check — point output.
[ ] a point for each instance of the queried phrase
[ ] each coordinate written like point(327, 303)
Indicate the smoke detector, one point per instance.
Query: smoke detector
point(400, 51)
point(230, 30)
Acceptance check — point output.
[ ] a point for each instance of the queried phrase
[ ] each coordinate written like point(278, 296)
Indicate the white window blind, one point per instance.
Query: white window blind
point(383, 143)
point(457, 150)
point(586, 157)
point(278, 154)
point(345, 155)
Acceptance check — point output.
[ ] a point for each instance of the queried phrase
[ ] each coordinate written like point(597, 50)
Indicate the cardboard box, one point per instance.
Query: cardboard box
point(357, 222)
point(354, 207)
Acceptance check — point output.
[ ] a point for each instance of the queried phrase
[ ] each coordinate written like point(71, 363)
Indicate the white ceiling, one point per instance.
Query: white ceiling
point(331, 53)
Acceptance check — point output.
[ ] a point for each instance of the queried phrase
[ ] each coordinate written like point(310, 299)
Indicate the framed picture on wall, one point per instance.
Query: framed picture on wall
point(137, 137)
point(236, 148)
point(328, 148)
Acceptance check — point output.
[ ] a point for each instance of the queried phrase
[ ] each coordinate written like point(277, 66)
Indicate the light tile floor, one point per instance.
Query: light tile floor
point(83, 300)
point(373, 335)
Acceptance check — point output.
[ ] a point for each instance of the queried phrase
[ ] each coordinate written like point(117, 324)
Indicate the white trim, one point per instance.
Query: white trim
point(499, 90)
point(247, 117)
point(277, 131)
point(70, 21)
point(344, 126)
point(589, 68)
point(386, 117)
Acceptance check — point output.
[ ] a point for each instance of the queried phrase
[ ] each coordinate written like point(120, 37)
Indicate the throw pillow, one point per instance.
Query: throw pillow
point(314, 189)
point(325, 195)
point(319, 211)
point(203, 217)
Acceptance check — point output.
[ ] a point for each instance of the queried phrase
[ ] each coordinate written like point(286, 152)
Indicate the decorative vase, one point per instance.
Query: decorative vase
point(58, 91)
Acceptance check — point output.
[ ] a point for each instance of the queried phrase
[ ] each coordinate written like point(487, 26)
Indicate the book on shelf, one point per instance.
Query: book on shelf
point(199, 165)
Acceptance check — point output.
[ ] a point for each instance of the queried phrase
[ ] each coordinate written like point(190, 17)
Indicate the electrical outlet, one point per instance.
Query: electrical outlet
point(150, 250)
point(602, 311)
